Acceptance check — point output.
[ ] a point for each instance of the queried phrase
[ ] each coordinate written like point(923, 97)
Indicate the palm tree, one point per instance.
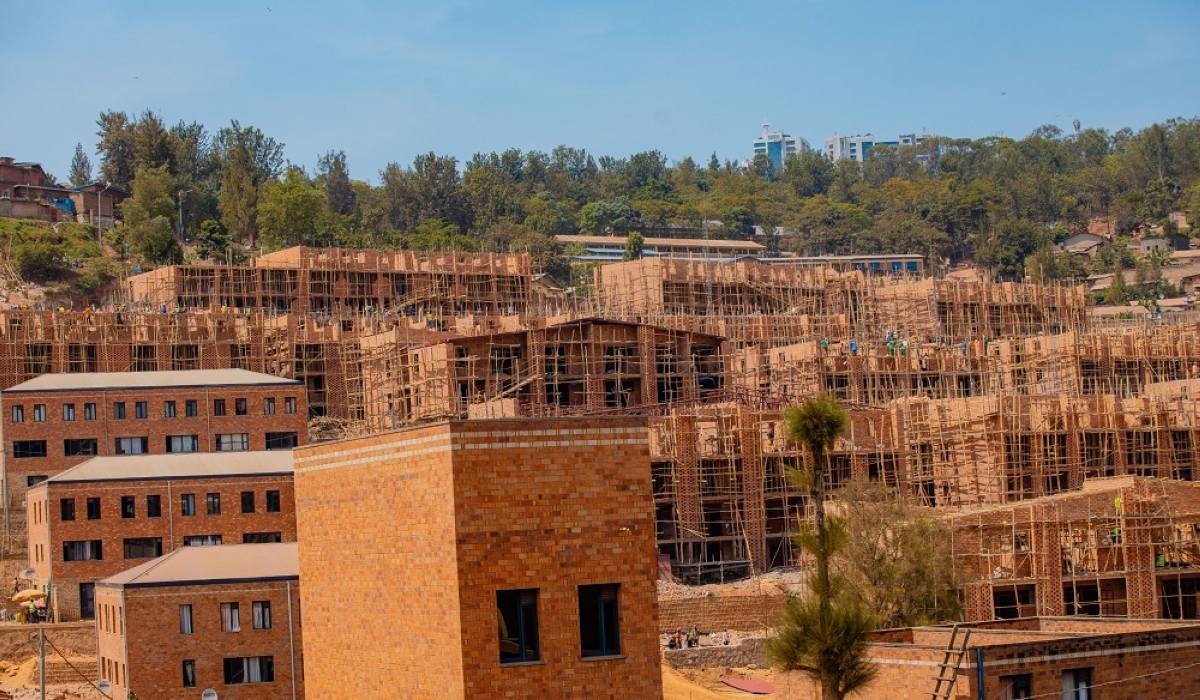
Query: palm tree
point(822, 636)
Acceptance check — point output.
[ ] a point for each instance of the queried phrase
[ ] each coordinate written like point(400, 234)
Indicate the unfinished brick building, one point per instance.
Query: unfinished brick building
point(504, 555)
point(111, 513)
point(225, 618)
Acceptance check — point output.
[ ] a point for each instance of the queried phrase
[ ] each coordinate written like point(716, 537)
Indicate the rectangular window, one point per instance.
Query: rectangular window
point(183, 443)
point(132, 445)
point(18, 414)
point(231, 620)
point(153, 506)
point(599, 621)
point(262, 614)
point(68, 411)
point(281, 441)
point(39, 413)
point(187, 504)
point(32, 480)
point(189, 669)
point(119, 410)
point(269, 406)
point(262, 537)
point(1077, 684)
point(239, 407)
point(1017, 687)
point(128, 509)
point(201, 540)
point(143, 547)
point(247, 501)
point(254, 669)
point(93, 508)
point(185, 619)
point(272, 501)
point(168, 409)
point(191, 409)
point(66, 509)
point(289, 405)
point(518, 625)
point(233, 442)
point(89, 411)
point(213, 501)
point(140, 410)
point(83, 550)
point(218, 407)
point(87, 601)
point(29, 448)
point(80, 448)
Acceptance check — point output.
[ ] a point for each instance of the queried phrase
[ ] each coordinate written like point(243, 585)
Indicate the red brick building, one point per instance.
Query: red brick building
point(487, 559)
point(56, 421)
point(220, 618)
point(111, 513)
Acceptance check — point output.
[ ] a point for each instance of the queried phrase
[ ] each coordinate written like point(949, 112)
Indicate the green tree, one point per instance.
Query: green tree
point(334, 177)
point(81, 167)
point(1049, 264)
point(613, 216)
point(213, 242)
point(116, 148)
point(249, 160)
point(823, 635)
point(293, 211)
point(148, 217)
point(1118, 292)
point(435, 234)
point(1008, 246)
point(633, 246)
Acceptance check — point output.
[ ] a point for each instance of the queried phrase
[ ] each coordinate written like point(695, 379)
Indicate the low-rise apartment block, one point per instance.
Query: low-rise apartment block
point(225, 619)
point(481, 559)
point(56, 421)
point(112, 513)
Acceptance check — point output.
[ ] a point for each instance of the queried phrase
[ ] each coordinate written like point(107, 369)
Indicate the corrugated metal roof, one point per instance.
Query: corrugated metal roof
point(215, 564)
point(148, 380)
point(177, 466)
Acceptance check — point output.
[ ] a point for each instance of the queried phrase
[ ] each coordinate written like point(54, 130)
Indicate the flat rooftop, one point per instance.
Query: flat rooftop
point(189, 465)
point(149, 380)
point(229, 563)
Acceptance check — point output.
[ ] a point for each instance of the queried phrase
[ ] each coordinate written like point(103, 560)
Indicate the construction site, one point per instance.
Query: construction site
point(964, 396)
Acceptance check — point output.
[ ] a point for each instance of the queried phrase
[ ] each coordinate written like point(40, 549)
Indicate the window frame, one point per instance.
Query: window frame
point(29, 449)
point(17, 414)
point(89, 411)
point(219, 407)
point(260, 612)
point(231, 617)
point(602, 604)
point(128, 507)
point(233, 442)
point(524, 603)
point(155, 543)
point(191, 408)
point(241, 407)
point(169, 409)
point(248, 502)
point(118, 410)
point(65, 506)
point(68, 410)
point(141, 410)
point(187, 505)
point(153, 505)
point(189, 665)
point(94, 501)
point(186, 619)
point(39, 413)
point(274, 501)
point(212, 503)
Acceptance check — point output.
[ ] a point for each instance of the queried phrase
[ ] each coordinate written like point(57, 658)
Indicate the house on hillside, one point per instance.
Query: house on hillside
point(26, 193)
point(1086, 244)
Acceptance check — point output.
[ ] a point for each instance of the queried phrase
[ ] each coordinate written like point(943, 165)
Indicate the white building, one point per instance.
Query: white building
point(777, 146)
point(857, 147)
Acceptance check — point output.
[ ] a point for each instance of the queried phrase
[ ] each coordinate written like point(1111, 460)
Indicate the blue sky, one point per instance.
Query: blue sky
point(385, 81)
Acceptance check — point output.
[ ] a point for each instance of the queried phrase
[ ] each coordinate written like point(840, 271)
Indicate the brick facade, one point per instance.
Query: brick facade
point(420, 529)
point(48, 531)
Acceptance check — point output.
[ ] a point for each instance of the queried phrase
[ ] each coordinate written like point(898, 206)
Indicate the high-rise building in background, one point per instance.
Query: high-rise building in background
point(857, 147)
point(777, 145)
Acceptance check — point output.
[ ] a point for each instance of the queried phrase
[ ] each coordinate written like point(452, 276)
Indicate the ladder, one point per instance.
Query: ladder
point(952, 659)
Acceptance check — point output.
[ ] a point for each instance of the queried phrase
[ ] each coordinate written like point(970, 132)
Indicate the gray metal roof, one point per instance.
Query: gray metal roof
point(149, 380)
point(216, 564)
point(194, 465)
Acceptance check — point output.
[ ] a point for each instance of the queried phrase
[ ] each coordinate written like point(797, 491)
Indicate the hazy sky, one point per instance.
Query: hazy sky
point(385, 81)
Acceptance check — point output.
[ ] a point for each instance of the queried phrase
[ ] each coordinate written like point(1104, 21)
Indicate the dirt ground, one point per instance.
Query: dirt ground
point(705, 684)
point(21, 681)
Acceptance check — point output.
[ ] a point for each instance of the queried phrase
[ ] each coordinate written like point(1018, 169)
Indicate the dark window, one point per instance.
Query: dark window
point(93, 508)
point(119, 410)
point(272, 501)
point(128, 509)
point(29, 448)
point(79, 448)
point(218, 407)
point(87, 601)
point(599, 620)
point(189, 669)
point(153, 506)
point(140, 410)
point(83, 550)
point(262, 537)
point(247, 501)
point(89, 411)
point(32, 480)
point(1018, 687)
point(1077, 684)
point(262, 614)
point(68, 411)
point(67, 509)
point(18, 414)
point(187, 504)
point(239, 407)
point(517, 611)
point(168, 409)
point(253, 669)
point(281, 441)
point(214, 503)
point(143, 547)
point(289, 405)
point(191, 409)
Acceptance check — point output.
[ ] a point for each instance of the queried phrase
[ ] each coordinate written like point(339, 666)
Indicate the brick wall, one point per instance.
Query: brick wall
point(750, 651)
point(424, 526)
point(716, 613)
